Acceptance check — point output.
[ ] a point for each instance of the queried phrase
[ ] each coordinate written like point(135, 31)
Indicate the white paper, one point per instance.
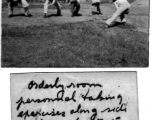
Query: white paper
point(74, 96)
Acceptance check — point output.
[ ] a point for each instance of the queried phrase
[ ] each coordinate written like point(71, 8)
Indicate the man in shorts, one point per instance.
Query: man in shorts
point(96, 7)
point(14, 3)
point(52, 2)
point(123, 8)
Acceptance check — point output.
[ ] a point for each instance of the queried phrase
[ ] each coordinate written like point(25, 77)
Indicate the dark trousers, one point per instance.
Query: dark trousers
point(75, 7)
point(97, 5)
point(12, 4)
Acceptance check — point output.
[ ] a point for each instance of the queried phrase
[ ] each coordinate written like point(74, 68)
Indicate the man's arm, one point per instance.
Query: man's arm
point(52, 3)
point(115, 4)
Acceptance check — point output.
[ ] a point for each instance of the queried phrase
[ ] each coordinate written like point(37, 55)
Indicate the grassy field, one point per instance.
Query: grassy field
point(71, 44)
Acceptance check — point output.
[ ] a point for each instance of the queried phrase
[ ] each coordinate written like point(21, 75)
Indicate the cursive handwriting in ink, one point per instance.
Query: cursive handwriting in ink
point(71, 92)
point(120, 97)
point(60, 97)
point(120, 108)
point(99, 97)
point(83, 85)
point(43, 85)
point(79, 110)
point(27, 113)
point(93, 117)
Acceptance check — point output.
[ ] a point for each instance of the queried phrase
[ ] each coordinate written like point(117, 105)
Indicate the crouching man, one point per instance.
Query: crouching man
point(52, 2)
point(123, 8)
point(96, 7)
point(75, 7)
point(14, 3)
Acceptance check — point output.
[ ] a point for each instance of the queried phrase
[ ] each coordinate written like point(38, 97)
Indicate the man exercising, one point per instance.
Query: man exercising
point(123, 8)
point(75, 7)
point(96, 7)
point(14, 3)
point(52, 2)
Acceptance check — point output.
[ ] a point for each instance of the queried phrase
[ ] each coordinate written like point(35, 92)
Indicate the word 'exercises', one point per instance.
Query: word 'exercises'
point(74, 96)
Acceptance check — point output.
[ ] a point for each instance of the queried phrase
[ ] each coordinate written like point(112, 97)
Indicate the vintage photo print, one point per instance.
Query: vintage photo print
point(75, 33)
point(74, 96)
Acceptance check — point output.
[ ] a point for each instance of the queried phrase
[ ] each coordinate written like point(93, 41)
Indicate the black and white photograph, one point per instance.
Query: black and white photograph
point(75, 33)
point(75, 60)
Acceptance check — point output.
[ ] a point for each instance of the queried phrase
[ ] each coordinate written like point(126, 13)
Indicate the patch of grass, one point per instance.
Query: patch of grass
point(84, 44)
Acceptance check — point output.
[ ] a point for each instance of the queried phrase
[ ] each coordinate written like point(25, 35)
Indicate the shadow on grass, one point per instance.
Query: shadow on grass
point(20, 15)
point(123, 25)
point(78, 15)
point(54, 15)
point(17, 15)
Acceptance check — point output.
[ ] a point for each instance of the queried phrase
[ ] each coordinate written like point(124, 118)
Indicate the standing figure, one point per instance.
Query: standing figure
point(96, 7)
point(14, 3)
point(52, 2)
point(123, 8)
point(75, 7)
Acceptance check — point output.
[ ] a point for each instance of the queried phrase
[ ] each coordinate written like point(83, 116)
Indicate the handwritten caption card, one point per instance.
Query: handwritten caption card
point(74, 96)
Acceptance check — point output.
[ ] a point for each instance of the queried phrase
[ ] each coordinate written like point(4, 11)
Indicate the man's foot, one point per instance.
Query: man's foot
point(29, 15)
point(93, 13)
point(58, 14)
point(78, 14)
point(123, 23)
point(45, 16)
point(100, 13)
point(72, 15)
point(109, 26)
point(10, 15)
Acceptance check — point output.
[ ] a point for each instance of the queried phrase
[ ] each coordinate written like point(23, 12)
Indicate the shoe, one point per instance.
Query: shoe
point(58, 14)
point(93, 13)
point(44, 16)
point(123, 23)
point(100, 13)
point(10, 15)
point(29, 15)
point(109, 26)
point(106, 26)
point(72, 15)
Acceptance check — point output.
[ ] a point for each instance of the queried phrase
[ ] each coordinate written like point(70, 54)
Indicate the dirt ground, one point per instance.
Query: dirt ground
point(138, 17)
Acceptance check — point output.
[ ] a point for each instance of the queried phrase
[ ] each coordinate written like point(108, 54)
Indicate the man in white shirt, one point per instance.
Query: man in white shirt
point(123, 8)
point(52, 2)
point(75, 7)
point(96, 7)
point(13, 3)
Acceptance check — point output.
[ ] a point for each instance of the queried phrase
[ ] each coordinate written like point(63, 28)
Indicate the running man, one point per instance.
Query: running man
point(75, 7)
point(123, 8)
point(52, 2)
point(14, 3)
point(96, 7)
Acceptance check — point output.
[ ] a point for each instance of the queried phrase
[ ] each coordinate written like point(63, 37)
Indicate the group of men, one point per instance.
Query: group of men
point(122, 6)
